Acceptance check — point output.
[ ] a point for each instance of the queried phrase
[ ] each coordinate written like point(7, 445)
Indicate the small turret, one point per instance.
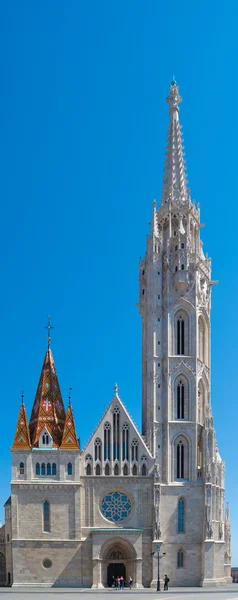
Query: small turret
point(22, 435)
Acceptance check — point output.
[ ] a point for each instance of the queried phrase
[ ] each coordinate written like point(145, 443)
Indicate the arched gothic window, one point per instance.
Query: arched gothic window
point(54, 469)
point(22, 468)
point(182, 458)
point(107, 441)
point(46, 516)
point(98, 449)
point(143, 470)
point(134, 470)
point(88, 469)
point(201, 402)
point(116, 433)
point(134, 450)
point(37, 468)
point(125, 442)
point(48, 469)
point(181, 515)
point(107, 469)
point(180, 559)
point(125, 470)
point(199, 456)
point(98, 470)
point(201, 339)
point(116, 469)
point(180, 400)
point(181, 332)
point(43, 469)
point(70, 469)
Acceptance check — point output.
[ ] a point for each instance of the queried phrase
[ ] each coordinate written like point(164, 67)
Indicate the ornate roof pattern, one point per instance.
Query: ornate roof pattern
point(48, 408)
point(22, 435)
point(69, 439)
point(175, 181)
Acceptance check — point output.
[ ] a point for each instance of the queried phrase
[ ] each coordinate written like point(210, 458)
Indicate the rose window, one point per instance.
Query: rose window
point(116, 506)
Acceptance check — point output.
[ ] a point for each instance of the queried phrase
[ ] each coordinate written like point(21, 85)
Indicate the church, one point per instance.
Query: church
point(130, 501)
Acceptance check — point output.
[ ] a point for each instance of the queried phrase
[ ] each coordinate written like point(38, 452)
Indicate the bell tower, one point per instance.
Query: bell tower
point(175, 304)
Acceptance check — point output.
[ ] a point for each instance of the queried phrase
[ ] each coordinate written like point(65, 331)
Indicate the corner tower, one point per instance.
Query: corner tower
point(177, 423)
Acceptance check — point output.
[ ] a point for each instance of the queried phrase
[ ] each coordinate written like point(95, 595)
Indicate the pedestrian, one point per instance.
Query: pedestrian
point(113, 581)
point(118, 582)
point(166, 581)
point(121, 583)
point(130, 582)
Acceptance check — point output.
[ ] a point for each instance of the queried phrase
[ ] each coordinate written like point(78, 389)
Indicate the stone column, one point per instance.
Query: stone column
point(97, 573)
point(138, 577)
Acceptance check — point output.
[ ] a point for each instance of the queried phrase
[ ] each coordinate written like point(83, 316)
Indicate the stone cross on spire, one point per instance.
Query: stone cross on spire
point(175, 183)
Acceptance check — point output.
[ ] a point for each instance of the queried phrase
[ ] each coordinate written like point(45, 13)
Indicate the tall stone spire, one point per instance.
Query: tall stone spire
point(69, 439)
point(48, 408)
point(175, 183)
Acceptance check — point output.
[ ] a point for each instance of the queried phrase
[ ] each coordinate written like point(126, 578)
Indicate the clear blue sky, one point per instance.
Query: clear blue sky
point(83, 124)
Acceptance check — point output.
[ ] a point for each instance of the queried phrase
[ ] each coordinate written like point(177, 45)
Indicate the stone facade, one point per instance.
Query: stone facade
point(78, 518)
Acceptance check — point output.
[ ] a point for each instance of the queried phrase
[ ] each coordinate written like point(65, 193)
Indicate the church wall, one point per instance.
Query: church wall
point(71, 563)
point(29, 509)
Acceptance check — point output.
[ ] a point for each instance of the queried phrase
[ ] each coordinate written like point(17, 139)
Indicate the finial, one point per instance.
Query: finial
point(69, 396)
point(173, 82)
point(22, 397)
point(174, 98)
point(154, 203)
point(49, 327)
point(116, 389)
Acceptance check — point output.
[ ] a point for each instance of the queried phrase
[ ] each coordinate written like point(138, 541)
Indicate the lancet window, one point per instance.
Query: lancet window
point(107, 469)
point(107, 441)
point(180, 400)
point(98, 449)
point(37, 468)
point(181, 515)
point(134, 450)
point(181, 459)
point(22, 468)
point(46, 516)
point(125, 442)
point(180, 561)
point(201, 339)
point(88, 464)
point(116, 433)
point(70, 469)
point(181, 333)
point(98, 470)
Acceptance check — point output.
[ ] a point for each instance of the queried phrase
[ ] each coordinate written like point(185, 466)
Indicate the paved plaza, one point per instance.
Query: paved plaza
point(228, 593)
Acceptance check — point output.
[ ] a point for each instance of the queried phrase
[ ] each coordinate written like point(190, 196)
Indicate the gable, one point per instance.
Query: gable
point(116, 446)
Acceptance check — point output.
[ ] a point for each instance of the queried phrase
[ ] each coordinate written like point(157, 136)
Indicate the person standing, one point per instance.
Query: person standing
point(166, 582)
point(121, 583)
point(130, 582)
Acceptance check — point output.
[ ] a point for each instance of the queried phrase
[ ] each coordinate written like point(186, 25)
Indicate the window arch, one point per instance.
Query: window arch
point(37, 468)
point(22, 468)
point(107, 441)
point(46, 516)
point(134, 450)
point(107, 469)
point(143, 470)
point(116, 433)
point(48, 469)
point(181, 462)
point(116, 469)
point(181, 398)
point(181, 515)
point(98, 470)
point(88, 469)
point(180, 559)
point(125, 470)
point(43, 469)
point(125, 441)
point(134, 470)
point(70, 469)
point(98, 449)
point(201, 402)
point(181, 333)
point(202, 340)
point(54, 469)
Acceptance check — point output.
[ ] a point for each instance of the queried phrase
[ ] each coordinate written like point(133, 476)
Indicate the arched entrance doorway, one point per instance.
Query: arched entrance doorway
point(118, 558)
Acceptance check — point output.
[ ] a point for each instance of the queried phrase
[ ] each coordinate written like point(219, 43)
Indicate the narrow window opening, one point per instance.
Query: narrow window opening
point(48, 469)
point(46, 516)
point(182, 267)
point(98, 470)
point(70, 469)
point(180, 559)
point(22, 469)
point(88, 469)
point(107, 471)
point(54, 469)
point(181, 515)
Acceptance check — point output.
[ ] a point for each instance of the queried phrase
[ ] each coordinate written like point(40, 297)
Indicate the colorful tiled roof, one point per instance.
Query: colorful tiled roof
point(69, 439)
point(22, 435)
point(48, 408)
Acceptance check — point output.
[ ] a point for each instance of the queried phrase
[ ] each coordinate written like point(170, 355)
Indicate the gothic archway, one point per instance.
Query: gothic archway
point(118, 557)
